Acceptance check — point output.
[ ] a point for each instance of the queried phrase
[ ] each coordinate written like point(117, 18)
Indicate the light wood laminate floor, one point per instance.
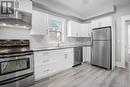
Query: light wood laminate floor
point(88, 76)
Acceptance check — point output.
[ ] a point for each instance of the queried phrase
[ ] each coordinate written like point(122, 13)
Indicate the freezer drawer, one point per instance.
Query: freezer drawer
point(101, 34)
point(101, 54)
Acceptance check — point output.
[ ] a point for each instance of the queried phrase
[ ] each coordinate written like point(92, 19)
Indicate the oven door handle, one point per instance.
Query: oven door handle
point(8, 56)
point(15, 79)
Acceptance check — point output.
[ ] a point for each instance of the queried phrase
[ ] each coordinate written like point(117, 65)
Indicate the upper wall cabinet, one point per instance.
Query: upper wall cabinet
point(86, 30)
point(25, 5)
point(102, 22)
point(75, 29)
point(39, 23)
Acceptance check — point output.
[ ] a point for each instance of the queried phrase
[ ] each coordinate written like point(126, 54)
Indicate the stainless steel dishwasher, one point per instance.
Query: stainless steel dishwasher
point(78, 57)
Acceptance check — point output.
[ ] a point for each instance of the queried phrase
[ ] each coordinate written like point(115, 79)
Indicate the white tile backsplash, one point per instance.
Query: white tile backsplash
point(37, 41)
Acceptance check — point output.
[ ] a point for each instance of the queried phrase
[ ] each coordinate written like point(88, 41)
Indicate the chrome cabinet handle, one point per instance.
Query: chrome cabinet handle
point(46, 70)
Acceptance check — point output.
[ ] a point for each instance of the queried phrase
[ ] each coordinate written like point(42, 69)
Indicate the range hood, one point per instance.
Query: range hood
point(17, 20)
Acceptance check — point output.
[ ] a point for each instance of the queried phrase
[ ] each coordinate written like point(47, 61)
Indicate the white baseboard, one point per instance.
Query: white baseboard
point(119, 64)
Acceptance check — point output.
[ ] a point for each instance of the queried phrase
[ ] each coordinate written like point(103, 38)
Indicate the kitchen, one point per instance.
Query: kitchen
point(54, 44)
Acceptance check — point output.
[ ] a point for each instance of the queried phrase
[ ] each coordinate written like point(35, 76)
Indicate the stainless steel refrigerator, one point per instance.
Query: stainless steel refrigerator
point(102, 47)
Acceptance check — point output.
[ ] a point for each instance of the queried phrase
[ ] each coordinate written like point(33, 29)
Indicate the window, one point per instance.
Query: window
point(56, 28)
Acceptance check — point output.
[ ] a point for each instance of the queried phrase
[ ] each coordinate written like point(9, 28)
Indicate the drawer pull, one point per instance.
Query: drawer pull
point(45, 53)
point(45, 61)
point(46, 70)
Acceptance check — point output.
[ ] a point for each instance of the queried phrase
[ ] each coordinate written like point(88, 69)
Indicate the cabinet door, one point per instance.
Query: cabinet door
point(63, 59)
point(43, 71)
point(44, 65)
point(42, 58)
point(102, 22)
point(73, 29)
point(25, 5)
point(69, 58)
point(95, 23)
point(87, 54)
point(39, 23)
point(86, 30)
point(59, 62)
point(38, 56)
point(107, 21)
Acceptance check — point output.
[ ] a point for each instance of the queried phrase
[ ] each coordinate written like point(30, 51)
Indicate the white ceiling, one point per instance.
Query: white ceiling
point(81, 8)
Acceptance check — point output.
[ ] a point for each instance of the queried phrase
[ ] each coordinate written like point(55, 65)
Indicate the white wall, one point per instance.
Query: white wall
point(121, 11)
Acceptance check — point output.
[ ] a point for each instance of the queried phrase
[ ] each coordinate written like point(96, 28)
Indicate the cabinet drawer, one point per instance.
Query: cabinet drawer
point(42, 58)
point(43, 62)
point(43, 71)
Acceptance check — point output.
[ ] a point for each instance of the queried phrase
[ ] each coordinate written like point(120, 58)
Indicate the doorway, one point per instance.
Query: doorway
point(124, 36)
point(128, 41)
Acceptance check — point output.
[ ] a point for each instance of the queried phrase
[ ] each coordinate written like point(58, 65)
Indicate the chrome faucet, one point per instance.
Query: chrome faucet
point(59, 39)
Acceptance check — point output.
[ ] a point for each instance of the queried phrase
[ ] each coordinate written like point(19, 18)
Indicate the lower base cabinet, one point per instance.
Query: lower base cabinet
point(51, 62)
point(87, 54)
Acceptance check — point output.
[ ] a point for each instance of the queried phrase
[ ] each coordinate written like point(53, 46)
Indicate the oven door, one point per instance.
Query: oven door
point(15, 65)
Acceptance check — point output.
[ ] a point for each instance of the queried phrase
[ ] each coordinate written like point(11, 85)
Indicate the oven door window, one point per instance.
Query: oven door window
point(14, 66)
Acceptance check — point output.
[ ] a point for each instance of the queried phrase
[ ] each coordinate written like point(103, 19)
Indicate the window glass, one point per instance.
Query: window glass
point(55, 30)
point(14, 65)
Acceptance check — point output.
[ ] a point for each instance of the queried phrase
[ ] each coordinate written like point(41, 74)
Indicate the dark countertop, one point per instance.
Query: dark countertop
point(46, 49)
point(16, 52)
point(60, 47)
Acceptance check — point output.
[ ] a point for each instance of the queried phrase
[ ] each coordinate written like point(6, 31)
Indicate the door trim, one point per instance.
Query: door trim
point(123, 42)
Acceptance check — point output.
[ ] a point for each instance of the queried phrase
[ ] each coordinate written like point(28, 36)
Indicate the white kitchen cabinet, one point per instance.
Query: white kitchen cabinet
point(42, 64)
point(86, 30)
point(63, 59)
point(50, 62)
point(102, 22)
point(39, 23)
point(68, 58)
point(73, 29)
point(25, 5)
point(87, 54)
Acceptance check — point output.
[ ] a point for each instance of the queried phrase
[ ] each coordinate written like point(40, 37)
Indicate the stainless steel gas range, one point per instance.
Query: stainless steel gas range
point(16, 63)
